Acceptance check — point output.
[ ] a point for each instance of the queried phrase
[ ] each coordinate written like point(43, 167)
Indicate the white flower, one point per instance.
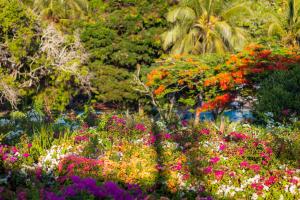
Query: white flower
point(292, 189)
point(281, 197)
point(254, 196)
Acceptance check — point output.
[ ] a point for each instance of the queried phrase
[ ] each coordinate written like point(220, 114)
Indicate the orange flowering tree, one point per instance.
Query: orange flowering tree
point(188, 82)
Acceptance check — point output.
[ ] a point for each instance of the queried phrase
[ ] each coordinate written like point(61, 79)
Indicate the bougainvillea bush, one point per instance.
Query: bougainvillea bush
point(130, 158)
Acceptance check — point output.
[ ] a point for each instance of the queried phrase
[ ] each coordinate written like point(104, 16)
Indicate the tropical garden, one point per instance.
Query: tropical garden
point(149, 99)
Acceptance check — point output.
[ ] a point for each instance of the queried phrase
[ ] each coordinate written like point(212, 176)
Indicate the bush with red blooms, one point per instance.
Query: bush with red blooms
point(215, 87)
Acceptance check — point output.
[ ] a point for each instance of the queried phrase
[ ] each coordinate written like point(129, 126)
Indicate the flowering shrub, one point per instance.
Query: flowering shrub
point(192, 163)
point(214, 87)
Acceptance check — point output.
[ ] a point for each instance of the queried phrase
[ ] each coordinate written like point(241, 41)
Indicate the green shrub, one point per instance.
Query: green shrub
point(280, 94)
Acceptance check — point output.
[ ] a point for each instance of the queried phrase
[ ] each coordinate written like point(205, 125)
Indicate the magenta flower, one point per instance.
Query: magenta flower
point(222, 147)
point(241, 151)
point(140, 127)
point(208, 170)
point(214, 160)
point(177, 167)
point(29, 145)
point(167, 136)
point(26, 155)
point(219, 174)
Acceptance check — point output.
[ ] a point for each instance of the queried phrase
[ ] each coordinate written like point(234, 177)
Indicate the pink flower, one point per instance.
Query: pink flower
point(204, 131)
point(5, 156)
point(22, 195)
point(214, 160)
point(241, 151)
point(222, 147)
point(257, 186)
point(239, 136)
point(219, 174)
point(294, 181)
point(232, 174)
point(208, 170)
point(29, 145)
point(13, 159)
point(26, 155)
point(290, 172)
point(255, 168)
point(14, 149)
point(264, 162)
point(269, 150)
point(244, 164)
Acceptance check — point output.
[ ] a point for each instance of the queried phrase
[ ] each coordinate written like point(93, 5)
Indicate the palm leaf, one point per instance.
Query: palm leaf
point(275, 29)
point(236, 10)
point(181, 14)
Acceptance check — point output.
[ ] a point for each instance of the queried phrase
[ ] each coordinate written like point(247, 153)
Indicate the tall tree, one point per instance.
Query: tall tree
point(201, 26)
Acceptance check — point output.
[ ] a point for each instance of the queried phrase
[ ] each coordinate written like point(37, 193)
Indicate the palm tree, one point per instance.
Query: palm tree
point(61, 9)
point(287, 29)
point(201, 26)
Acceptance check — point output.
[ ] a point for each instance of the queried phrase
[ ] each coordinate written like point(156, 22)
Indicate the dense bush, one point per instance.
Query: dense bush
point(280, 94)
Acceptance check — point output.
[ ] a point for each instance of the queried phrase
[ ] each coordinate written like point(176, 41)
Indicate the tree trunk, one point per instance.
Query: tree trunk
point(197, 116)
point(141, 109)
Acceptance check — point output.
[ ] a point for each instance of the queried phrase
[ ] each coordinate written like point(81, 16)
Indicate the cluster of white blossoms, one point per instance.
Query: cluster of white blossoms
point(53, 156)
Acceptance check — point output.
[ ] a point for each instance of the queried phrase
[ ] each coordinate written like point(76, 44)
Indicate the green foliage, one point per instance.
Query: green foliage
point(112, 84)
point(280, 94)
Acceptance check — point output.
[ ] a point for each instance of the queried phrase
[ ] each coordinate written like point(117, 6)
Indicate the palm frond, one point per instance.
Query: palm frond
point(238, 39)
point(224, 29)
point(181, 14)
point(275, 29)
point(237, 10)
point(172, 36)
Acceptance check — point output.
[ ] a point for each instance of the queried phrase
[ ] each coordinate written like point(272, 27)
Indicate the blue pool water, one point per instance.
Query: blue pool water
point(233, 115)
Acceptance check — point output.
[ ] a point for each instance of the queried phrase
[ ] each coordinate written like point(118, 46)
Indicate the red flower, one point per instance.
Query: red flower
point(271, 180)
point(204, 131)
point(244, 164)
